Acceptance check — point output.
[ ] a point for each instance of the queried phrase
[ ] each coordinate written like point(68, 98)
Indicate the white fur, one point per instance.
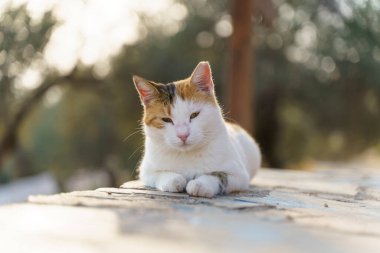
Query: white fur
point(212, 146)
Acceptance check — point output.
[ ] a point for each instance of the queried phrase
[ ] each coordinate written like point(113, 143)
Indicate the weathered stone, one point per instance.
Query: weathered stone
point(283, 211)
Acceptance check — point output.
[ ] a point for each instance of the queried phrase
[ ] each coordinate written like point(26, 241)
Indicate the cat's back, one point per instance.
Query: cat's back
point(245, 146)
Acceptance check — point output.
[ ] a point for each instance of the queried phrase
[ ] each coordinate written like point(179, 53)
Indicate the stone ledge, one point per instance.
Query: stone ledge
point(291, 211)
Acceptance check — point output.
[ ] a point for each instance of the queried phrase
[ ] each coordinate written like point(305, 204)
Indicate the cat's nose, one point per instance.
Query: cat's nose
point(183, 136)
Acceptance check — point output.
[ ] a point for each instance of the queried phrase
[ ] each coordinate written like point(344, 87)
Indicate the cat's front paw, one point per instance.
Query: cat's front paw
point(202, 188)
point(172, 183)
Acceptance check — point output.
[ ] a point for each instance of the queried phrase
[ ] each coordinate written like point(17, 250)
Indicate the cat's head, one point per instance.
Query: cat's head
point(183, 115)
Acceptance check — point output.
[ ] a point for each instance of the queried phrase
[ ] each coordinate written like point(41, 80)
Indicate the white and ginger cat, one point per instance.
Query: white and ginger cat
point(188, 144)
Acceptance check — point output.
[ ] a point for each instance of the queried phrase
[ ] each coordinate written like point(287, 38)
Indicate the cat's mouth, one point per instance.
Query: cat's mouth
point(188, 145)
point(184, 146)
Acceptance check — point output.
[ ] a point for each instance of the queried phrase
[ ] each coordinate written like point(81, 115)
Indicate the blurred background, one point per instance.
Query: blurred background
point(303, 76)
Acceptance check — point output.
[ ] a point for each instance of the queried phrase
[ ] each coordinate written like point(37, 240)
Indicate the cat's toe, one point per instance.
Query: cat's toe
point(199, 189)
point(176, 184)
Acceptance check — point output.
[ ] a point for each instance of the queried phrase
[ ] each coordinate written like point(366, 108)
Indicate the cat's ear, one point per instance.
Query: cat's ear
point(202, 77)
point(146, 89)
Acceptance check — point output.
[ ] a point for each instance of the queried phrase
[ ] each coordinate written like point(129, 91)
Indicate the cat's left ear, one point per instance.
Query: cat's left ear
point(147, 89)
point(202, 77)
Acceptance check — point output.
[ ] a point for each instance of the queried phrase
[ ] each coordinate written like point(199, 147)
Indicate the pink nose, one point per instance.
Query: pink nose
point(183, 137)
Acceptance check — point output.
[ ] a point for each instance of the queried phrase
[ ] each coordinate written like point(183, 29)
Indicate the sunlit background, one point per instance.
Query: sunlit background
point(70, 116)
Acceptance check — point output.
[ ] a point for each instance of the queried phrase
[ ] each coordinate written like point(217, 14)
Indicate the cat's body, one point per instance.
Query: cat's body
point(188, 144)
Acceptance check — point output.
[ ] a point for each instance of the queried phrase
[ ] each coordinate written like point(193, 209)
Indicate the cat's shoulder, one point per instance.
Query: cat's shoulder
point(237, 132)
point(234, 127)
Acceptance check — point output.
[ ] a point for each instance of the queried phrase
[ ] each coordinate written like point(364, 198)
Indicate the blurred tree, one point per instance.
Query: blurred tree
point(21, 44)
point(317, 71)
point(241, 85)
point(242, 70)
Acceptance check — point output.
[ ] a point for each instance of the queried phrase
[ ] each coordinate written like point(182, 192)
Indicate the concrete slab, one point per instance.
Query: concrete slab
point(283, 211)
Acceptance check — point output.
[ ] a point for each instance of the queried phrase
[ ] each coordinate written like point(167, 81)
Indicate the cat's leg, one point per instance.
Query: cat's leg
point(166, 181)
point(204, 186)
point(218, 182)
point(238, 181)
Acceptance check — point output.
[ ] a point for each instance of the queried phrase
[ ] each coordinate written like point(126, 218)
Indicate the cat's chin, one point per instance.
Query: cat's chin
point(185, 147)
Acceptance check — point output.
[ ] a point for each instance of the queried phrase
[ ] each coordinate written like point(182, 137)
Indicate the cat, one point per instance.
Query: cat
point(188, 144)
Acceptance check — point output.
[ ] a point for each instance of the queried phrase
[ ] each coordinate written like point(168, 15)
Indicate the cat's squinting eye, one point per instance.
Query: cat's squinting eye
point(167, 120)
point(194, 114)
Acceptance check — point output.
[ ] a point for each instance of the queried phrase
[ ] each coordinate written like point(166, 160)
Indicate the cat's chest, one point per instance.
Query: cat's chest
point(191, 161)
point(193, 166)
point(189, 164)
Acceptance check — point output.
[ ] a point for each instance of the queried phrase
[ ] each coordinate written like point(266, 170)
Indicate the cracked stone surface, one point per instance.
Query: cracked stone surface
point(283, 211)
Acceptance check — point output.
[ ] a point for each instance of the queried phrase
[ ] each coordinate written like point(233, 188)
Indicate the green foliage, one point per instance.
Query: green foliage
point(322, 57)
point(21, 44)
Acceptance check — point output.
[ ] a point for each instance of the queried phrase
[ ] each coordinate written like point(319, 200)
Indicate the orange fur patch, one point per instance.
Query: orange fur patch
point(154, 113)
point(189, 91)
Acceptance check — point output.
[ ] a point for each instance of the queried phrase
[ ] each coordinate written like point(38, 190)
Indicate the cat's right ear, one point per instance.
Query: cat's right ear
point(202, 77)
point(146, 89)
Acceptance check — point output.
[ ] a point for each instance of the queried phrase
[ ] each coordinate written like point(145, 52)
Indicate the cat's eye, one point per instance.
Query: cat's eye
point(167, 120)
point(194, 114)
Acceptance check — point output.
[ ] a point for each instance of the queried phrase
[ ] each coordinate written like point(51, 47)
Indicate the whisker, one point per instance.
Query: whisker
point(134, 170)
point(134, 152)
point(135, 132)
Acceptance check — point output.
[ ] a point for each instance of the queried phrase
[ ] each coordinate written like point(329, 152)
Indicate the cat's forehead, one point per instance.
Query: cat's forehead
point(167, 92)
point(184, 90)
point(182, 107)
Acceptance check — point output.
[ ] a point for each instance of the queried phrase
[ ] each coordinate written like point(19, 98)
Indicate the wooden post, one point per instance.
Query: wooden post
point(241, 81)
